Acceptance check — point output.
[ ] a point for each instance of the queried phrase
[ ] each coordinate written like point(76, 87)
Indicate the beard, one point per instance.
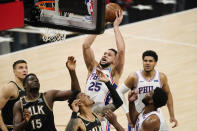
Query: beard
point(104, 65)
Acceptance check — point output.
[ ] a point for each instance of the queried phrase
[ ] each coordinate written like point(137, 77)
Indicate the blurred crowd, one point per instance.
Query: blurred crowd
point(134, 10)
point(137, 10)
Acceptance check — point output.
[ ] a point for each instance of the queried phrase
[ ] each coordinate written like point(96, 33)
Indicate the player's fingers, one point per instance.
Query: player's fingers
point(119, 13)
point(110, 112)
point(129, 94)
point(27, 111)
point(69, 58)
point(75, 103)
point(72, 58)
point(175, 124)
point(108, 115)
point(26, 114)
point(116, 12)
point(100, 67)
point(98, 72)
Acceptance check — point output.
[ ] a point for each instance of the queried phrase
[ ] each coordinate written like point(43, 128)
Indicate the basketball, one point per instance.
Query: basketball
point(110, 14)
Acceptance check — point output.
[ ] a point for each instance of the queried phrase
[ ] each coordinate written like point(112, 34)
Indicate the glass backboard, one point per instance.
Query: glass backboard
point(86, 16)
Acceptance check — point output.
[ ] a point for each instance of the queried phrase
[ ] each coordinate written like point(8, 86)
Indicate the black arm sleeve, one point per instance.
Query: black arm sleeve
point(117, 101)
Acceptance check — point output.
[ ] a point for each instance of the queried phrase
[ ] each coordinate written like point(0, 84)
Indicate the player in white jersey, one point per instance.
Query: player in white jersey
point(143, 117)
point(111, 63)
point(101, 96)
point(144, 86)
point(144, 81)
point(150, 118)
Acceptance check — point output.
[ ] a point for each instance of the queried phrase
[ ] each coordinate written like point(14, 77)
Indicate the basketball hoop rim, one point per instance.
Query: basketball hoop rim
point(39, 4)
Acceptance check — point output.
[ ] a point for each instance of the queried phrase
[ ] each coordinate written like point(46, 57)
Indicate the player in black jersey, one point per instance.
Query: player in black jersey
point(89, 120)
point(34, 111)
point(10, 94)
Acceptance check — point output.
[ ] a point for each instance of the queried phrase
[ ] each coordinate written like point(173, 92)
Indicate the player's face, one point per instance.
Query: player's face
point(21, 70)
point(32, 84)
point(107, 59)
point(146, 100)
point(149, 63)
point(85, 99)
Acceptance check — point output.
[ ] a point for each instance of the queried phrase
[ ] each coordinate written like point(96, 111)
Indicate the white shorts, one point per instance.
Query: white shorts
point(105, 124)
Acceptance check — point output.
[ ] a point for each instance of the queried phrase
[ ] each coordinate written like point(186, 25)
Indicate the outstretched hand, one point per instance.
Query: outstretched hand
point(119, 17)
point(101, 76)
point(132, 96)
point(71, 63)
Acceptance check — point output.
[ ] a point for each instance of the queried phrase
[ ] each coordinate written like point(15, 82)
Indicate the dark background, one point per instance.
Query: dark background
point(134, 10)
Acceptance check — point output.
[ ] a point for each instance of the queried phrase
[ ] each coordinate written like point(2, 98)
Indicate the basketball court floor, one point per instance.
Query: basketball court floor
point(173, 37)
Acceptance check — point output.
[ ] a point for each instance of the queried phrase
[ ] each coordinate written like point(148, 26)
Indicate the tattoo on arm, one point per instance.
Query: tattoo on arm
point(73, 125)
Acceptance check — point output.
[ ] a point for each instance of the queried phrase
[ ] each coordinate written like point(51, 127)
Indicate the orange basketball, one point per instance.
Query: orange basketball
point(111, 8)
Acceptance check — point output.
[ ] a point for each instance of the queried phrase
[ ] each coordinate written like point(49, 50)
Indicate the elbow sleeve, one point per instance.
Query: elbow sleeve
point(117, 101)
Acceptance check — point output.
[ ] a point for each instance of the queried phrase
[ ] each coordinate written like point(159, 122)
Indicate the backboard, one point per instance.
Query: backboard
point(85, 16)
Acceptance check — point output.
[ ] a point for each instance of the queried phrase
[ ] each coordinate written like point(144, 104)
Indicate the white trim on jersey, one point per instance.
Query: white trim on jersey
point(142, 117)
point(144, 86)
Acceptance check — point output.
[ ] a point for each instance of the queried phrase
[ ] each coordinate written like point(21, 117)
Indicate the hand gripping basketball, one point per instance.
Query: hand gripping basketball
point(110, 12)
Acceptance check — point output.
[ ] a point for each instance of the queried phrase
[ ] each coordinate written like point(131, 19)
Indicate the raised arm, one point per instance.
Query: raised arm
point(170, 99)
point(18, 121)
point(120, 59)
point(132, 96)
point(88, 53)
point(71, 65)
point(75, 123)
point(117, 102)
point(59, 95)
point(6, 92)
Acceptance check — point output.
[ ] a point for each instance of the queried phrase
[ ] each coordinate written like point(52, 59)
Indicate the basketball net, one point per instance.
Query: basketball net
point(48, 34)
point(52, 35)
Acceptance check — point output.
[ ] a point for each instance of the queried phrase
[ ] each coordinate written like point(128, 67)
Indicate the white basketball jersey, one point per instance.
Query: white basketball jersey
point(97, 90)
point(142, 117)
point(144, 86)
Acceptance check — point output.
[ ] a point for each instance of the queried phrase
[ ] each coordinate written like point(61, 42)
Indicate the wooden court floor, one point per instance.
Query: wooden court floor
point(173, 37)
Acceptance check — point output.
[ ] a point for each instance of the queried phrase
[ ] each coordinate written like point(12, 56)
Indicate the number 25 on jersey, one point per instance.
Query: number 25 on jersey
point(95, 86)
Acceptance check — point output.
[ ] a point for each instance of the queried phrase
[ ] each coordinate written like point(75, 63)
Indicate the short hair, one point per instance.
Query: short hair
point(18, 62)
point(150, 53)
point(25, 79)
point(72, 97)
point(115, 51)
point(160, 97)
